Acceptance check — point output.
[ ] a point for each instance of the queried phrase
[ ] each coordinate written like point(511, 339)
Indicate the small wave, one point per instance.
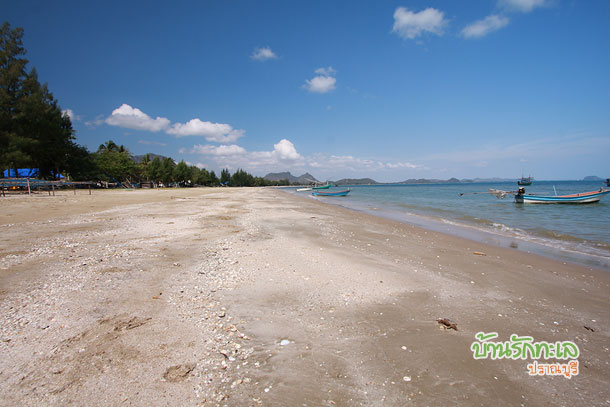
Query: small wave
point(541, 236)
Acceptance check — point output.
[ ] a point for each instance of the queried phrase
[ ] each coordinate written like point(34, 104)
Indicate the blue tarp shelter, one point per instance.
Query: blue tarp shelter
point(21, 173)
point(24, 173)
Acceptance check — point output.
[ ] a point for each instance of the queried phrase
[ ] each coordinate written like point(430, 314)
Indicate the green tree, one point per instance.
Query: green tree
point(13, 146)
point(143, 167)
point(153, 170)
point(166, 172)
point(242, 179)
point(203, 178)
point(33, 130)
point(182, 173)
point(115, 165)
point(213, 179)
point(81, 165)
point(41, 119)
point(225, 176)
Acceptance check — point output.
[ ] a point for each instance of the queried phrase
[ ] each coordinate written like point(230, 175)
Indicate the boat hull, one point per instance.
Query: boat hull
point(583, 198)
point(330, 193)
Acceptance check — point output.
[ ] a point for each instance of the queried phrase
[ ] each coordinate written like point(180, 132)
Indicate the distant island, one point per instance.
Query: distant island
point(592, 178)
point(304, 179)
point(307, 179)
point(356, 181)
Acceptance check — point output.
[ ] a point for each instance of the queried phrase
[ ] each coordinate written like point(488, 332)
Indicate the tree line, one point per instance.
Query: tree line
point(35, 133)
point(112, 162)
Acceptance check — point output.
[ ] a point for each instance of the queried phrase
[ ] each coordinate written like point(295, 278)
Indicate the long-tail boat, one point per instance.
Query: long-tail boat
point(583, 197)
point(330, 193)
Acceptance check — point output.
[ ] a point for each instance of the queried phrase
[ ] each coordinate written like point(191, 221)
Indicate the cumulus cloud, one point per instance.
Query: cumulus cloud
point(133, 118)
point(485, 26)
point(410, 25)
point(263, 54)
point(323, 83)
point(285, 150)
point(524, 6)
point(215, 132)
point(233, 156)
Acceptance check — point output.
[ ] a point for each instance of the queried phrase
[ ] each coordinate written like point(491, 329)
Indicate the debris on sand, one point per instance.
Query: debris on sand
point(447, 323)
point(178, 373)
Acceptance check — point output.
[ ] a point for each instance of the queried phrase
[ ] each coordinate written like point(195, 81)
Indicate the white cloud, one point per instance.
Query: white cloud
point(284, 157)
point(328, 71)
point(232, 156)
point(410, 25)
point(402, 165)
point(324, 82)
point(215, 132)
point(98, 121)
point(321, 84)
point(133, 118)
point(151, 143)
point(70, 114)
point(263, 54)
point(222, 151)
point(285, 150)
point(524, 6)
point(485, 26)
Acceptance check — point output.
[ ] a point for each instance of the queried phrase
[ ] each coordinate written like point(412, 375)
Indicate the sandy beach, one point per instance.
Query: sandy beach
point(237, 297)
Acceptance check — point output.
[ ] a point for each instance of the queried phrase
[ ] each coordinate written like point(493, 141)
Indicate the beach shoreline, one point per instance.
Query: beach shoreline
point(222, 296)
point(522, 241)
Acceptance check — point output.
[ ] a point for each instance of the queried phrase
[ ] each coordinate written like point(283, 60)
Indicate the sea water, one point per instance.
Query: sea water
point(578, 232)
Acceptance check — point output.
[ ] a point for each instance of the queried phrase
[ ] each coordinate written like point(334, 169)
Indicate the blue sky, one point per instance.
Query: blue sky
point(389, 90)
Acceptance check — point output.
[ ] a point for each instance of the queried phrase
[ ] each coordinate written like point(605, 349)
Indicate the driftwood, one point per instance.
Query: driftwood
point(447, 323)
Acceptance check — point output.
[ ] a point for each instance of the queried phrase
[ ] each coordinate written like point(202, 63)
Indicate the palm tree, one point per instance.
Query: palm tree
point(108, 146)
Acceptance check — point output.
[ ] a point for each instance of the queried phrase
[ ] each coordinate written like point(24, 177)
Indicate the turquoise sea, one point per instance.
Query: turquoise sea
point(578, 233)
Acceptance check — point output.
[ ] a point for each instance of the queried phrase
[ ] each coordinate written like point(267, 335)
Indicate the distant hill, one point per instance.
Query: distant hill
point(592, 178)
point(151, 156)
point(355, 181)
point(301, 180)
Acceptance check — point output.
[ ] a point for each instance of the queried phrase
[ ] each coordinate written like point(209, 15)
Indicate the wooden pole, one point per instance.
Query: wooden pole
point(53, 188)
point(29, 191)
point(74, 188)
point(89, 189)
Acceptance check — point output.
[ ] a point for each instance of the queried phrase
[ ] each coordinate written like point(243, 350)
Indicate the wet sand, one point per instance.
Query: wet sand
point(258, 297)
